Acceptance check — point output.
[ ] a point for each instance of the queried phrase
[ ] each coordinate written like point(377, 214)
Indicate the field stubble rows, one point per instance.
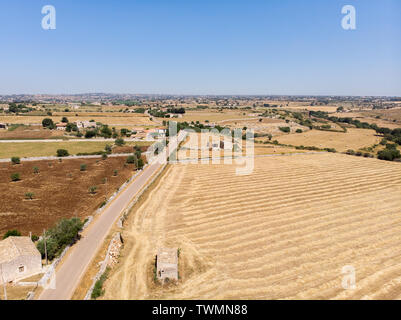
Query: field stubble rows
point(284, 232)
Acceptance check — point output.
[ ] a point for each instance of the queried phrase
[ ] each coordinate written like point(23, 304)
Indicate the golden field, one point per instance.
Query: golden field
point(283, 232)
point(353, 139)
point(105, 118)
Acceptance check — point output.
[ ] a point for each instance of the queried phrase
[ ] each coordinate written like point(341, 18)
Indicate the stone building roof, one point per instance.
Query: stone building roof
point(167, 256)
point(13, 247)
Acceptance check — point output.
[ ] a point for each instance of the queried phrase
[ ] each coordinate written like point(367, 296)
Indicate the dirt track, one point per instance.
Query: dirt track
point(284, 232)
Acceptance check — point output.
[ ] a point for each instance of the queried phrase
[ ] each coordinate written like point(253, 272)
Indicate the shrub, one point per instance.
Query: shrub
point(285, 129)
point(383, 142)
point(62, 153)
point(15, 160)
point(83, 167)
point(98, 290)
point(115, 173)
point(15, 177)
point(104, 156)
point(29, 195)
point(350, 152)
point(34, 238)
point(299, 131)
point(12, 233)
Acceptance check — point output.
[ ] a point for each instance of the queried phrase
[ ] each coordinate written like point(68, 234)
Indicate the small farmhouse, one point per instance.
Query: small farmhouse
point(3, 126)
point(167, 264)
point(19, 259)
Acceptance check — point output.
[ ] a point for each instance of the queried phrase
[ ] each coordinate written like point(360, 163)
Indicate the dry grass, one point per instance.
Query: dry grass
point(284, 232)
point(353, 139)
point(105, 118)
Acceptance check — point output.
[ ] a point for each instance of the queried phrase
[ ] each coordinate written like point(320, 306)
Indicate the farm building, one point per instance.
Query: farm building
point(167, 264)
point(19, 259)
point(3, 126)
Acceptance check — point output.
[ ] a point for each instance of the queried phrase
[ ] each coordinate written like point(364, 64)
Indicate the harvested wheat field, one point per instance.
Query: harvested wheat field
point(353, 139)
point(284, 232)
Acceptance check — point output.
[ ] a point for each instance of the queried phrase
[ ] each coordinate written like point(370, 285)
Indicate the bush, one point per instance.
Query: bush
point(15, 160)
point(350, 152)
point(104, 156)
point(15, 177)
point(115, 173)
point(12, 233)
point(98, 290)
point(34, 238)
point(62, 153)
point(285, 129)
point(65, 233)
point(83, 167)
point(299, 131)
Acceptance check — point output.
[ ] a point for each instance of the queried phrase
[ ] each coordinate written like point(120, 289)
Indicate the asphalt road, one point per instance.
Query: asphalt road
point(76, 262)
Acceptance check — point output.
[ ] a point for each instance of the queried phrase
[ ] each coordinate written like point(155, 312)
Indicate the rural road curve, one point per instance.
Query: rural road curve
point(76, 262)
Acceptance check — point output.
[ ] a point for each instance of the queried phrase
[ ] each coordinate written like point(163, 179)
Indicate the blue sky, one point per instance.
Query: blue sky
point(201, 47)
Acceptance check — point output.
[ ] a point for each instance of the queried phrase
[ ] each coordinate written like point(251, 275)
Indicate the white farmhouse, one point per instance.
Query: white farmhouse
point(19, 259)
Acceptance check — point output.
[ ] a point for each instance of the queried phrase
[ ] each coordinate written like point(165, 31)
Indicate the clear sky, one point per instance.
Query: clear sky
point(201, 47)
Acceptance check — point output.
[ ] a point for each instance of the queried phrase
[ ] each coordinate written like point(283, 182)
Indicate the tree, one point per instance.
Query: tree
point(140, 163)
point(12, 233)
point(62, 153)
point(64, 120)
point(35, 170)
point(29, 195)
point(131, 159)
point(119, 142)
point(92, 190)
point(90, 134)
point(105, 131)
point(83, 167)
point(65, 233)
point(15, 160)
point(48, 123)
point(15, 177)
point(389, 154)
point(108, 149)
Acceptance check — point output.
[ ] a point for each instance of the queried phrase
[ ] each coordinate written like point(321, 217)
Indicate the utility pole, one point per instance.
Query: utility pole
point(4, 283)
point(44, 239)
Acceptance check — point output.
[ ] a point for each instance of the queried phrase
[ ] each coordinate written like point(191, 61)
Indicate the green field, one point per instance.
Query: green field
point(42, 149)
